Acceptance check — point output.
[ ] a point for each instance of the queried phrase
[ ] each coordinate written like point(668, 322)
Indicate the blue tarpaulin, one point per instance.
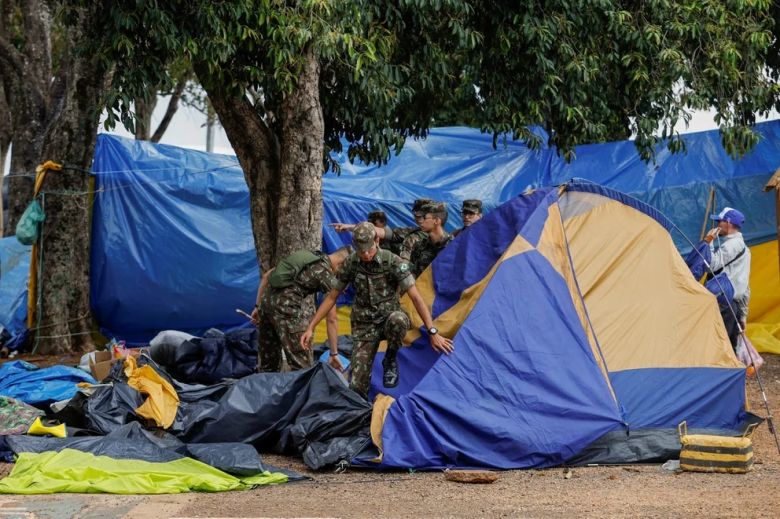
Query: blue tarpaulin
point(36, 386)
point(172, 243)
point(14, 272)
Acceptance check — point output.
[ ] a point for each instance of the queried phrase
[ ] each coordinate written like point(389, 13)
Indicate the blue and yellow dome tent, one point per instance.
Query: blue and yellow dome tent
point(580, 335)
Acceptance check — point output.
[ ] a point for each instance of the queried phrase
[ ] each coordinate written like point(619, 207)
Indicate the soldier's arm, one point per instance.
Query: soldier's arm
point(325, 307)
point(260, 289)
point(332, 326)
point(438, 343)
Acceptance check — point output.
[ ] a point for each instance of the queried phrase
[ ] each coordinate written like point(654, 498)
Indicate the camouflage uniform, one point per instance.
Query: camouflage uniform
point(410, 242)
point(394, 238)
point(284, 315)
point(425, 252)
point(376, 310)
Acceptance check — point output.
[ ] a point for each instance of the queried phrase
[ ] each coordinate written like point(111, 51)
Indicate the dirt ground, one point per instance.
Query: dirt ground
point(644, 490)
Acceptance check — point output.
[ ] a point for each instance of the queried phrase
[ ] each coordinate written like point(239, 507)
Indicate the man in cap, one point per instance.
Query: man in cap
point(379, 278)
point(471, 210)
point(731, 255)
point(426, 250)
point(281, 314)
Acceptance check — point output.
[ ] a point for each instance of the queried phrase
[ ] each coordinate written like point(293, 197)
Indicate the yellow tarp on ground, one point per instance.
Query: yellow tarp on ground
point(71, 470)
point(163, 402)
point(764, 314)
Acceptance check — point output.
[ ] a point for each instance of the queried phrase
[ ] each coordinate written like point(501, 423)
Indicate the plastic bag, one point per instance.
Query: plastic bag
point(28, 228)
point(747, 354)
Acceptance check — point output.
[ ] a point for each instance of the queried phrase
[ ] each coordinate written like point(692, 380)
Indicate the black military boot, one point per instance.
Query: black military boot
point(390, 365)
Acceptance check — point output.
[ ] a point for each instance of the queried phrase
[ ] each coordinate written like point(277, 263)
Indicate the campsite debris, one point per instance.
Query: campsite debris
point(567, 473)
point(671, 465)
point(471, 476)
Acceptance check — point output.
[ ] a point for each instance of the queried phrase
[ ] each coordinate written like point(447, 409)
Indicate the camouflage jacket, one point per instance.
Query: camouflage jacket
point(378, 285)
point(425, 251)
point(394, 238)
point(411, 240)
point(288, 302)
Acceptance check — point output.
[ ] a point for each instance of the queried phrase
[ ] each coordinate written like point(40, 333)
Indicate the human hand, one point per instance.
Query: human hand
point(306, 338)
point(342, 227)
point(335, 362)
point(712, 234)
point(255, 316)
point(441, 344)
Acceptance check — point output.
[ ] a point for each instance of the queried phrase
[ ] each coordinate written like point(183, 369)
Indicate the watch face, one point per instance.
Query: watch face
point(433, 331)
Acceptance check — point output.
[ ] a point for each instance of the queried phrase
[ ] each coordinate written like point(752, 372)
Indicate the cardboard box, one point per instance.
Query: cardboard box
point(101, 366)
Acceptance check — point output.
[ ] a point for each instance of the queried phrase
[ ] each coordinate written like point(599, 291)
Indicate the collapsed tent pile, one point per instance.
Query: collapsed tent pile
point(141, 431)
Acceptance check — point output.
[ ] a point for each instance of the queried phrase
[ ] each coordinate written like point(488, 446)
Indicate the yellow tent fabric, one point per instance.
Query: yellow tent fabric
point(764, 313)
point(636, 332)
point(163, 402)
point(72, 470)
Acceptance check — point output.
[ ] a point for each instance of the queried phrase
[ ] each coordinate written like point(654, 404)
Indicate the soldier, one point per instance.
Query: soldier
point(379, 278)
point(393, 239)
point(471, 210)
point(282, 316)
point(426, 250)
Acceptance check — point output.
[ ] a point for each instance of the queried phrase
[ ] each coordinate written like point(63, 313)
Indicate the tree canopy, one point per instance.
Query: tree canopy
point(585, 71)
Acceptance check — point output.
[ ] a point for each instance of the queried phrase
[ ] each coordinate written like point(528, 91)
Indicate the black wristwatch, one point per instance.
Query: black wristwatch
point(433, 330)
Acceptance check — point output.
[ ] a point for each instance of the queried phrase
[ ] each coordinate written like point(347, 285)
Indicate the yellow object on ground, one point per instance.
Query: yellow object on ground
point(39, 429)
point(72, 470)
point(711, 453)
point(163, 402)
point(764, 313)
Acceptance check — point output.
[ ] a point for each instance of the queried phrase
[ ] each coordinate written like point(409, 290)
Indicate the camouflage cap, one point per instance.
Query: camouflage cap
point(363, 236)
point(472, 206)
point(434, 208)
point(420, 203)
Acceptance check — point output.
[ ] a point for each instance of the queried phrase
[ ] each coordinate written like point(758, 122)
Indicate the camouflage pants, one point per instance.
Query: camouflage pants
point(366, 339)
point(276, 335)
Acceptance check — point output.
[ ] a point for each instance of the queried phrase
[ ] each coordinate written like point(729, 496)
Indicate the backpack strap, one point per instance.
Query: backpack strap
point(735, 258)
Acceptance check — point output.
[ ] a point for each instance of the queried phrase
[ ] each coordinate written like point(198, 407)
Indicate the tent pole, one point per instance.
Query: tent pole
point(707, 212)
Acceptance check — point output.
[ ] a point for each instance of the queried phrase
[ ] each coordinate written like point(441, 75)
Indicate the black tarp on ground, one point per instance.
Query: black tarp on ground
point(216, 356)
point(311, 413)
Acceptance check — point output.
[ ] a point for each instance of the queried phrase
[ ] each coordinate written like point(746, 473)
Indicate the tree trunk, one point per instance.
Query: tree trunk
point(143, 116)
point(284, 170)
point(65, 318)
point(6, 133)
point(26, 85)
point(299, 210)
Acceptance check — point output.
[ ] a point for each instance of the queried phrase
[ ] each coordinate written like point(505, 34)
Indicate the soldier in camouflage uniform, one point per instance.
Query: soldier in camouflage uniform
point(436, 238)
point(282, 315)
point(471, 210)
point(379, 278)
point(394, 239)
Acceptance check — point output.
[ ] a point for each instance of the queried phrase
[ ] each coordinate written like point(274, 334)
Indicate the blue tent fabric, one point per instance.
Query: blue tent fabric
point(14, 272)
point(40, 386)
point(521, 353)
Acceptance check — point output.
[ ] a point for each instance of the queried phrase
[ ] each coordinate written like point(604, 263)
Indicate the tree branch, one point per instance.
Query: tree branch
point(173, 105)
